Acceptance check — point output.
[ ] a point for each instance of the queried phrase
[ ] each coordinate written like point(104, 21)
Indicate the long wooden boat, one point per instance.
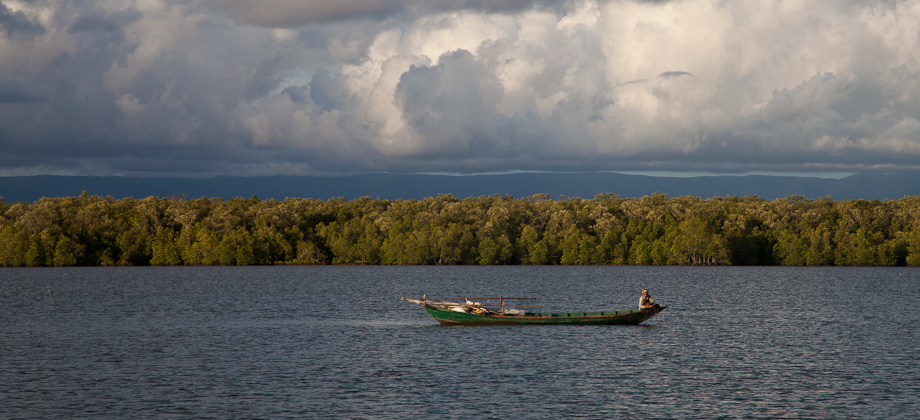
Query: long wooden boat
point(447, 312)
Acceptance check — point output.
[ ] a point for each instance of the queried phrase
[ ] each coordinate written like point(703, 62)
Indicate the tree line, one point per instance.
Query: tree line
point(651, 230)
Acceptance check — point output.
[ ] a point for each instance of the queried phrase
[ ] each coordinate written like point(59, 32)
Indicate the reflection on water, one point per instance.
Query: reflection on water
point(306, 342)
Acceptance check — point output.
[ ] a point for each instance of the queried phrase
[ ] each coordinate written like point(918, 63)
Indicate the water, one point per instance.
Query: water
point(332, 342)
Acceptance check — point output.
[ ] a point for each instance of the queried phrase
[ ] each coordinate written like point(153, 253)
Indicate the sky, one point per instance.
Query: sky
point(315, 87)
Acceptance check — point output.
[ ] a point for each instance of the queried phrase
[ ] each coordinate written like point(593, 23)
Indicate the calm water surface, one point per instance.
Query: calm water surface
point(333, 342)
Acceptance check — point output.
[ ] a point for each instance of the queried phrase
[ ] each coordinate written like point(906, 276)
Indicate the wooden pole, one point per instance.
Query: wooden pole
point(483, 298)
point(49, 296)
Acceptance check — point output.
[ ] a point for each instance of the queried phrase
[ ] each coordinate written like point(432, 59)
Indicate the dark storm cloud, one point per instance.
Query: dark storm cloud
point(17, 24)
point(298, 87)
point(674, 74)
point(295, 13)
point(16, 91)
point(101, 22)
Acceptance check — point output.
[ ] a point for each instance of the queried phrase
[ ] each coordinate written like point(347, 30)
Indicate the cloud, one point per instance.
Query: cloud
point(674, 74)
point(285, 87)
point(17, 24)
point(16, 91)
point(296, 13)
point(450, 107)
point(99, 21)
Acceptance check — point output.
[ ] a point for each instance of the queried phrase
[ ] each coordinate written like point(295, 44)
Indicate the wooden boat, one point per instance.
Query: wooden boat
point(448, 312)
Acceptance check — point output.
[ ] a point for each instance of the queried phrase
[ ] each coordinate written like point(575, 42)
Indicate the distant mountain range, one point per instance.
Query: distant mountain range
point(394, 186)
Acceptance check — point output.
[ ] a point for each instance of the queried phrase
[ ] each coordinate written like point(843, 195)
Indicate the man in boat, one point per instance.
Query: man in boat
point(646, 301)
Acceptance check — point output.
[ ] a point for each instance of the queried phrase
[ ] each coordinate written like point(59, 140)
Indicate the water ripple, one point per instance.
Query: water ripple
point(331, 342)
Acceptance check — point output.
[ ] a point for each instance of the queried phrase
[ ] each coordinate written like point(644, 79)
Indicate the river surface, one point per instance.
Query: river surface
point(334, 342)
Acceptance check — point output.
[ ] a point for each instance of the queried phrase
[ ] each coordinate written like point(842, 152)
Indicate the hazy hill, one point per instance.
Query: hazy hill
point(393, 186)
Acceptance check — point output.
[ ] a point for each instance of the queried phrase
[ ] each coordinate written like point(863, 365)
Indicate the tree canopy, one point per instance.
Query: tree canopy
point(651, 230)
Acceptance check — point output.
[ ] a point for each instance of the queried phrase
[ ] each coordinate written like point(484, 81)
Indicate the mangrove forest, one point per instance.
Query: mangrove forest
point(607, 229)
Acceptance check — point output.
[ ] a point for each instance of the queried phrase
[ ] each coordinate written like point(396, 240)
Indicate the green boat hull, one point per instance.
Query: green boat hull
point(622, 317)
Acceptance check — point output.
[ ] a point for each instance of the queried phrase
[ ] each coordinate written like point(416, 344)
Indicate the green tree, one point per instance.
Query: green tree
point(912, 245)
point(67, 252)
point(164, 249)
point(14, 245)
point(821, 246)
point(789, 248)
point(527, 244)
point(134, 241)
point(495, 251)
